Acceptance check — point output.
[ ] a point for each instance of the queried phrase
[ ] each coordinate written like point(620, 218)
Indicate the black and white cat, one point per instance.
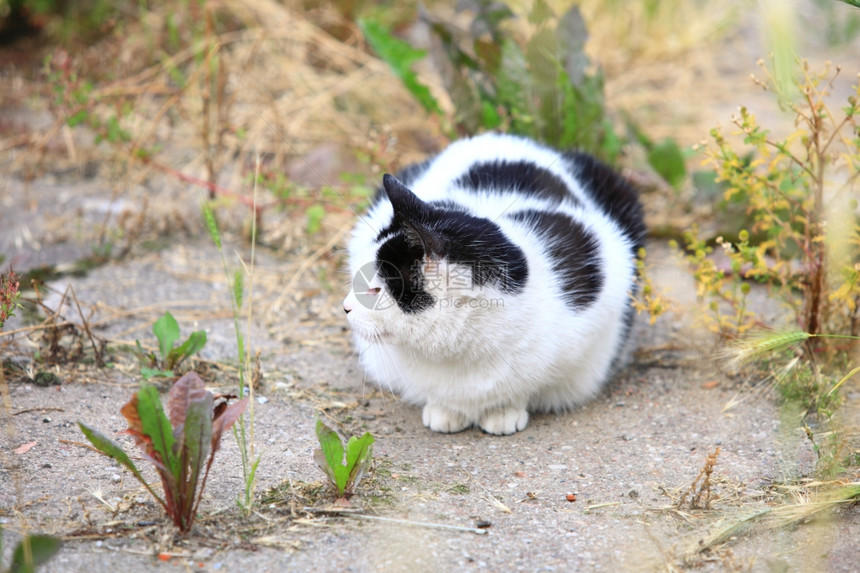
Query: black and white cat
point(495, 279)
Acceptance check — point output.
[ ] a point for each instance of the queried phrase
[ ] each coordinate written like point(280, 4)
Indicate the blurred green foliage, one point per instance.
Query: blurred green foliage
point(540, 84)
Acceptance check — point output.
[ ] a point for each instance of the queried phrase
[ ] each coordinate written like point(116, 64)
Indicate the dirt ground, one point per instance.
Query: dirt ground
point(597, 489)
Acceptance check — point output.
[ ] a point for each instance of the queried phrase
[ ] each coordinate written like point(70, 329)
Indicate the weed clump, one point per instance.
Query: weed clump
point(344, 477)
point(181, 444)
point(166, 330)
point(799, 193)
point(701, 493)
point(802, 243)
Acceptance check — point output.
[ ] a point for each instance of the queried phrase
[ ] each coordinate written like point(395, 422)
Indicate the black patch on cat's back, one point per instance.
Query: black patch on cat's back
point(574, 254)
point(524, 177)
point(612, 193)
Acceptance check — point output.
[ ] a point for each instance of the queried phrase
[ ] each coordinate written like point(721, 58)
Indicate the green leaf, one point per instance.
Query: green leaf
point(190, 347)
point(166, 330)
point(111, 449)
point(400, 56)
point(330, 456)
point(855, 3)
point(359, 452)
point(157, 427)
point(42, 548)
point(148, 373)
point(667, 159)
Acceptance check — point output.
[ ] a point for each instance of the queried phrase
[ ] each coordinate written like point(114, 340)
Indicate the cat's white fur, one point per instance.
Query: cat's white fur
point(480, 356)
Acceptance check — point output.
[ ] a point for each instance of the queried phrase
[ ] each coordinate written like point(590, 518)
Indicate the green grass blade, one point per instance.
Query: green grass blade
point(250, 480)
point(844, 378)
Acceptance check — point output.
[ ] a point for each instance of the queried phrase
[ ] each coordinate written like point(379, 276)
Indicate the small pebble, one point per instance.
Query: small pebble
point(46, 420)
point(262, 399)
point(115, 478)
point(571, 497)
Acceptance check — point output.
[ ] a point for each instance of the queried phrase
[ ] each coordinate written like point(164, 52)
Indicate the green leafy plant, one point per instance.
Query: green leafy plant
point(544, 87)
point(344, 477)
point(799, 195)
point(9, 293)
point(170, 356)
point(800, 192)
point(180, 444)
point(31, 552)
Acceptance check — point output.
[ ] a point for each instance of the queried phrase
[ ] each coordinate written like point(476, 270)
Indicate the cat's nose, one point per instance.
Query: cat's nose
point(347, 307)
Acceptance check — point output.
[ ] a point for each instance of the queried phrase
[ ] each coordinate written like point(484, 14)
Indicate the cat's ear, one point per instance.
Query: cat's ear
point(406, 204)
point(414, 216)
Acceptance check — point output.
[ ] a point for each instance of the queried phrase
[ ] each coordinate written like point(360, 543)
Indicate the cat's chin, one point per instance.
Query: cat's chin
point(373, 337)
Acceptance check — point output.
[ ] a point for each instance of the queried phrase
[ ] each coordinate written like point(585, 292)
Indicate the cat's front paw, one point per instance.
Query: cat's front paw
point(504, 421)
point(443, 420)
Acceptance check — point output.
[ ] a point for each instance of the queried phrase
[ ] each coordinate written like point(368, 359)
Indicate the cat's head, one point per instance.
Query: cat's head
point(434, 268)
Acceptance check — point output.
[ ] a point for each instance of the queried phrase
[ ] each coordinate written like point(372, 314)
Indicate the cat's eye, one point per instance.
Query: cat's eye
point(374, 290)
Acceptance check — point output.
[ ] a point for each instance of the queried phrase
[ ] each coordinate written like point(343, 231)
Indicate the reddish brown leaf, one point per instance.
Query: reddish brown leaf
point(135, 425)
point(188, 388)
point(23, 449)
point(226, 419)
point(135, 430)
